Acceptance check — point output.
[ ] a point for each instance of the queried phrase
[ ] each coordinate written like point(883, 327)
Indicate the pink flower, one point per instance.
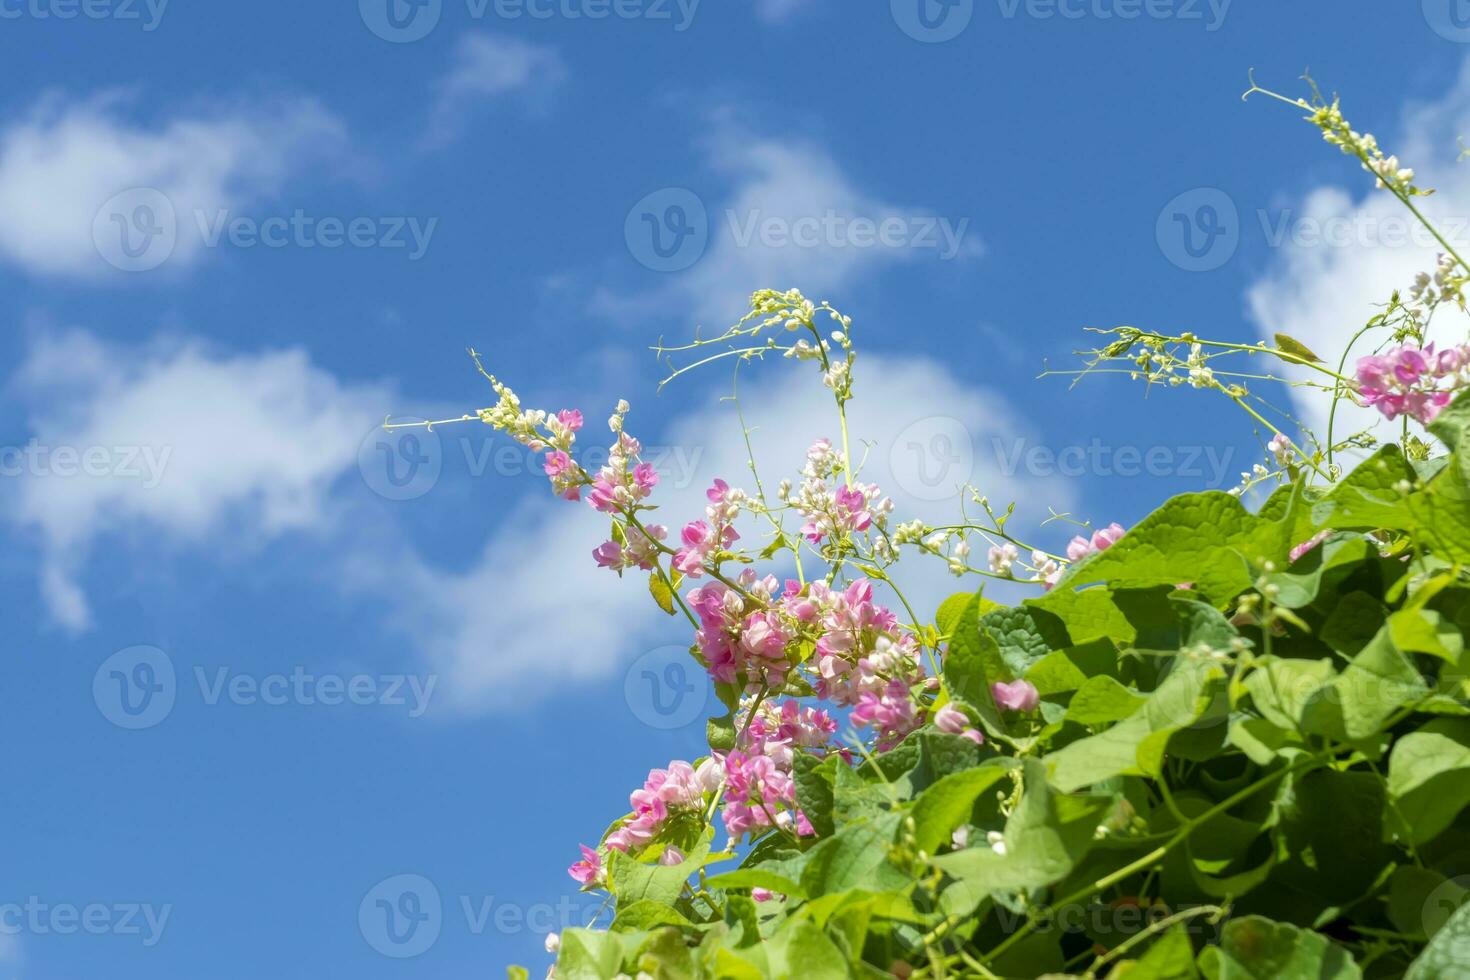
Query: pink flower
point(950, 719)
point(609, 555)
point(1107, 537)
point(1412, 381)
point(1016, 696)
point(604, 495)
point(700, 543)
point(763, 895)
point(671, 856)
point(1080, 547)
point(645, 478)
point(570, 418)
point(892, 713)
point(1309, 544)
point(589, 869)
point(855, 503)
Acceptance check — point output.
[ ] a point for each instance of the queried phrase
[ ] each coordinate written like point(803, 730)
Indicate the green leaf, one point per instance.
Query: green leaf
point(1442, 511)
point(1332, 823)
point(1135, 745)
point(517, 973)
point(1171, 957)
point(950, 611)
point(667, 952)
point(1068, 670)
point(1298, 589)
point(647, 915)
point(633, 881)
point(1282, 689)
point(1203, 538)
point(856, 857)
point(1421, 901)
point(588, 954)
point(1451, 426)
point(1294, 347)
point(815, 779)
point(947, 804)
point(1255, 948)
point(1045, 836)
point(1369, 497)
point(1088, 615)
point(1375, 685)
point(1102, 700)
point(658, 587)
point(1025, 634)
point(972, 665)
point(1426, 631)
point(804, 950)
point(720, 732)
point(855, 798)
point(1448, 951)
point(1429, 777)
point(763, 877)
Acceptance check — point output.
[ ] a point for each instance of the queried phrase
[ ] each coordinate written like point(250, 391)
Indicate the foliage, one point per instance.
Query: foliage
point(1231, 742)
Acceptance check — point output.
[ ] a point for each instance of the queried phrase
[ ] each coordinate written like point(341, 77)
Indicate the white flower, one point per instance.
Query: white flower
point(1002, 557)
point(553, 942)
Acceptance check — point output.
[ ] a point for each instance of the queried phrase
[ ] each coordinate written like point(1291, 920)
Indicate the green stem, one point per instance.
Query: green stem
point(1152, 857)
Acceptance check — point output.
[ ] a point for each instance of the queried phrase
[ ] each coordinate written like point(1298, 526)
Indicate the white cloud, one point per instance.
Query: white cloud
point(535, 613)
point(186, 445)
point(1322, 292)
point(793, 218)
point(489, 66)
point(64, 161)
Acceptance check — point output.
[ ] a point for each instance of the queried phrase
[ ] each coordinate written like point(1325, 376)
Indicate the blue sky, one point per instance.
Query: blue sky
point(252, 680)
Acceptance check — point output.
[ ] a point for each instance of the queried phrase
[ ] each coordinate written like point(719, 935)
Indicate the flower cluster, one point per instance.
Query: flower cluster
point(1337, 131)
point(1080, 547)
point(702, 541)
point(1282, 450)
point(760, 791)
point(742, 636)
point(863, 658)
point(1412, 381)
point(623, 482)
point(1445, 284)
point(849, 509)
point(666, 794)
point(639, 549)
